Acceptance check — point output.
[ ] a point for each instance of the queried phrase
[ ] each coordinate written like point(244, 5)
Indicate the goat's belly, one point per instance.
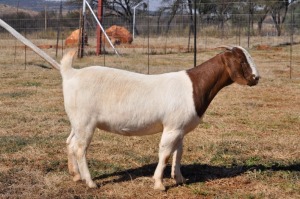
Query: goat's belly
point(147, 129)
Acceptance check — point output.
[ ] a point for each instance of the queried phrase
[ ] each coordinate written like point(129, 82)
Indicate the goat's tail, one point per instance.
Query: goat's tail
point(67, 61)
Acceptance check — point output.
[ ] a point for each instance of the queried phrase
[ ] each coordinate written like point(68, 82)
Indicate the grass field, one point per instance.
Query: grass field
point(247, 147)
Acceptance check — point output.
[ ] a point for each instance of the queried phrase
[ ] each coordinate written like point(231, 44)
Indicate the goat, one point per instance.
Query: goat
point(133, 104)
point(130, 104)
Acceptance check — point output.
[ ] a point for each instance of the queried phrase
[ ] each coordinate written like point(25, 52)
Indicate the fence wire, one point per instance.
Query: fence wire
point(155, 34)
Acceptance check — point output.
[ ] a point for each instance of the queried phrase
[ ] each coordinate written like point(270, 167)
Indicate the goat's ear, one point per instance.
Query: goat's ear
point(228, 59)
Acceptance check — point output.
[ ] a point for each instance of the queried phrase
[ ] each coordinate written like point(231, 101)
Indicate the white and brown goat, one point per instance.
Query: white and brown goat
point(129, 103)
point(133, 104)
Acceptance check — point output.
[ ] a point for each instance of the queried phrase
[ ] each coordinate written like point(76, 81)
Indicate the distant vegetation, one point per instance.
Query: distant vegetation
point(172, 18)
point(23, 21)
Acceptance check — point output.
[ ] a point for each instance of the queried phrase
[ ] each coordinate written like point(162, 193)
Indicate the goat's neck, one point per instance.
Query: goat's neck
point(208, 79)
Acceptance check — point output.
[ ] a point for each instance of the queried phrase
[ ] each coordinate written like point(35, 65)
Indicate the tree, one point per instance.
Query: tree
point(262, 12)
point(295, 11)
point(278, 12)
point(123, 9)
point(120, 8)
point(277, 9)
point(159, 13)
point(190, 7)
point(170, 8)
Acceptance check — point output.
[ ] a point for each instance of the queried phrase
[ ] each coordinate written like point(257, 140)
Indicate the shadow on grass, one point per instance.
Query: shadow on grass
point(195, 173)
point(44, 66)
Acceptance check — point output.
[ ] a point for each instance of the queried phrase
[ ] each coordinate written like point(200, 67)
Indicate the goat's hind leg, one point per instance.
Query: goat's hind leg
point(72, 162)
point(77, 144)
point(81, 144)
point(176, 173)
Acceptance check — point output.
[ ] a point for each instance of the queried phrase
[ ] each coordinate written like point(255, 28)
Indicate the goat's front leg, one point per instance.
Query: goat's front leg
point(168, 143)
point(176, 173)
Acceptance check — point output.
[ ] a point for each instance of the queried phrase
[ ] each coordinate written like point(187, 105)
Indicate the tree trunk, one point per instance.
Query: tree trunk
point(190, 5)
point(260, 23)
point(276, 19)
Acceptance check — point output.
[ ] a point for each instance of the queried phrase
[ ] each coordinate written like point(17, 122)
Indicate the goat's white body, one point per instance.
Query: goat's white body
point(129, 103)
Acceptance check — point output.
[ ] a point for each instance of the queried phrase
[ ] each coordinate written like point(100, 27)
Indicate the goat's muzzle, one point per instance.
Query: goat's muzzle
point(253, 80)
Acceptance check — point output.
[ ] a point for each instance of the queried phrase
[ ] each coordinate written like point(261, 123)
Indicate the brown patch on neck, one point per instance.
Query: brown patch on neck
point(207, 80)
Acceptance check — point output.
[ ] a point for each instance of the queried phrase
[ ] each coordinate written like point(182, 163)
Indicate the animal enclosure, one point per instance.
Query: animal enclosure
point(247, 147)
point(155, 34)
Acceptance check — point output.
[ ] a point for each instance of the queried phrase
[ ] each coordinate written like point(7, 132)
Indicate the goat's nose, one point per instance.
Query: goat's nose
point(254, 81)
point(255, 77)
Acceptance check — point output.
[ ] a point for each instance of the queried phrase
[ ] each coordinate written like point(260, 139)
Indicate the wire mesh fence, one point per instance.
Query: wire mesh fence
point(156, 34)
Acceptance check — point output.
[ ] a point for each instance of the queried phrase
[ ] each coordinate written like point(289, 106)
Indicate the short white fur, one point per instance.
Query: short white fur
point(127, 103)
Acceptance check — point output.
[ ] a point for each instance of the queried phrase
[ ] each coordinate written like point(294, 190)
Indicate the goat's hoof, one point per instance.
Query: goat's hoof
point(92, 185)
point(180, 181)
point(76, 178)
point(159, 186)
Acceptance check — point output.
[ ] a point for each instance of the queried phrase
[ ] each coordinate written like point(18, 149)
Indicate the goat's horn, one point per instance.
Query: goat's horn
point(228, 47)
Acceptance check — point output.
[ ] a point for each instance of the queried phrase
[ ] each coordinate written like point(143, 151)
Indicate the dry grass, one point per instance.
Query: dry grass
point(247, 147)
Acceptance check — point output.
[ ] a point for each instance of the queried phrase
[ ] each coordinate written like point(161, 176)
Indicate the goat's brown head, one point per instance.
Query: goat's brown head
point(240, 65)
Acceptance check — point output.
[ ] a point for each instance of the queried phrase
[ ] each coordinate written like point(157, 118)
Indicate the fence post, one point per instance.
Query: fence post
point(99, 32)
point(45, 18)
point(249, 22)
point(292, 39)
point(81, 33)
point(82, 30)
point(195, 34)
point(58, 27)
point(25, 50)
